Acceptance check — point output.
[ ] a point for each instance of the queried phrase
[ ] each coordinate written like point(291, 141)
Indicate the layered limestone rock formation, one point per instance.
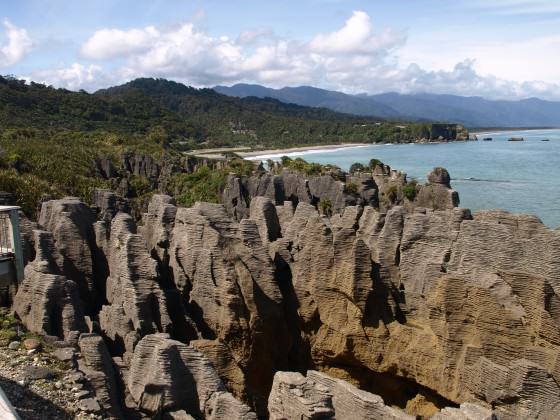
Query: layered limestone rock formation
point(381, 188)
point(318, 396)
point(136, 304)
point(46, 301)
point(420, 302)
point(71, 224)
point(167, 375)
point(227, 275)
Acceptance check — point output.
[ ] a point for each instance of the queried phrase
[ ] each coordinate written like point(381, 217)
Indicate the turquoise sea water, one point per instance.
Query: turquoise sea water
point(521, 177)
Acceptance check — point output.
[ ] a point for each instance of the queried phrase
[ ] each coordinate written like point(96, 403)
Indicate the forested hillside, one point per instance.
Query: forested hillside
point(171, 112)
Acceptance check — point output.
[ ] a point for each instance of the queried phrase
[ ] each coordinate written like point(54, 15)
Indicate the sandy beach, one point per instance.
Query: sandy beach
point(265, 154)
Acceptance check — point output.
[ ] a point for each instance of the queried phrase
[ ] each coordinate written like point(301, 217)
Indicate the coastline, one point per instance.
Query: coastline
point(511, 130)
point(265, 154)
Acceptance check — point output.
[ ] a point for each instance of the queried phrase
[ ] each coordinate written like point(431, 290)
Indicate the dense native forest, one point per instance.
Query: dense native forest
point(52, 140)
point(187, 117)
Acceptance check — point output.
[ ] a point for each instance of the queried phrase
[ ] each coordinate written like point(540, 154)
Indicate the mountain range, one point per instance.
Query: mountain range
point(472, 111)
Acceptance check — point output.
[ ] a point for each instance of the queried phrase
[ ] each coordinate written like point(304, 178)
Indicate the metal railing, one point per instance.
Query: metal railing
point(6, 248)
point(10, 239)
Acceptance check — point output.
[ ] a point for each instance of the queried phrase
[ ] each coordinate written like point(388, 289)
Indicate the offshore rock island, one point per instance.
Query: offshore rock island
point(308, 293)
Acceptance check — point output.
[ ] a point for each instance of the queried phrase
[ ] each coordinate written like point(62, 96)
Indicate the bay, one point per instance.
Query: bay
point(521, 177)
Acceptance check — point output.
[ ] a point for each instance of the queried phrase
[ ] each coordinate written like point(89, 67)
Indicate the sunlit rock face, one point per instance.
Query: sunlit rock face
point(426, 306)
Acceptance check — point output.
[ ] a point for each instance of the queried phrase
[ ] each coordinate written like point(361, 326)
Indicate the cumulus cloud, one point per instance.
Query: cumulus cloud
point(188, 54)
point(110, 43)
point(74, 77)
point(18, 44)
point(356, 37)
point(356, 58)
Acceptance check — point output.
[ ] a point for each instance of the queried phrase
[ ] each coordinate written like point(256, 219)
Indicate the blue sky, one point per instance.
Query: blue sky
point(493, 48)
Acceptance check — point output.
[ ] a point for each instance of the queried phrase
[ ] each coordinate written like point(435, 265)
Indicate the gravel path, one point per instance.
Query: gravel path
point(39, 386)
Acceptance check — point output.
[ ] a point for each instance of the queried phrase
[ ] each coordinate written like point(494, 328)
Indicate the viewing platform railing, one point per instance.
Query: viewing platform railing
point(10, 240)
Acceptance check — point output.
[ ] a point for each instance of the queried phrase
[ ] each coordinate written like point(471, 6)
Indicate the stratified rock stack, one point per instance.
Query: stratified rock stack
point(71, 223)
point(318, 396)
point(167, 376)
point(97, 365)
point(226, 272)
point(137, 305)
point(437, 194)
point(47, 302)
point(298, 188)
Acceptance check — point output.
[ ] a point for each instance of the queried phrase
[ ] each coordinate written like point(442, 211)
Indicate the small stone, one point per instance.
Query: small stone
point(58, 384)
point(89, 404)
point(81, 394)
point(38, 372)
point(14, 345)
point(32, 344)
point(65, 354)
point(24, 382)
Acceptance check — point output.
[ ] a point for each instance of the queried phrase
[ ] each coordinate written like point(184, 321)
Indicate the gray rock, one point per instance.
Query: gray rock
point(66, 354)
point(97, 365)
point(38, 372)
point(71, 224)
point(166, 375)
point(47, 302)
point(440, 176)
point(89, 405)
point(14, 345)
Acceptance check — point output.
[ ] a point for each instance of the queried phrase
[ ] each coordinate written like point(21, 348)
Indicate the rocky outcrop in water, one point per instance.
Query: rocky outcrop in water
point(422, 303)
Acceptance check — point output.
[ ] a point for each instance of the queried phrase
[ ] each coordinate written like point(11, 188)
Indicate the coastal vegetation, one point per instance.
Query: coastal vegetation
point(409, 190)
point(174, 115)
point(53, 140)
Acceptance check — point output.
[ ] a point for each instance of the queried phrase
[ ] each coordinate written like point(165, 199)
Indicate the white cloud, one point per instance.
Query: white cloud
point(18, 46)
point(356, 37)
point(74, 77)
point(110, 43)
point(355, 58)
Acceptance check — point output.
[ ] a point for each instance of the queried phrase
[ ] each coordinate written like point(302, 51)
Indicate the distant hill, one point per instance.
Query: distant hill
point(470, 111)
point(314, 97)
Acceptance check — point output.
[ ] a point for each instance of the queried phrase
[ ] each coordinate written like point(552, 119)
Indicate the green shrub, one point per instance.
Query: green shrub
point(392, 193)
point(351, 188)
point(374, 163)
point(357, 167)
point(14, 158)
point(201, 185)
point(140, 186)
point(409, 190)
point(285, 160)
point(325, 206)
point(301, 165)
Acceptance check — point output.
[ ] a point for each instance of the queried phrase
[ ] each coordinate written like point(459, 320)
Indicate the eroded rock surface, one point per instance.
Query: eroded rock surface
point(47, 302)
point(167, 375)
point(424, 304)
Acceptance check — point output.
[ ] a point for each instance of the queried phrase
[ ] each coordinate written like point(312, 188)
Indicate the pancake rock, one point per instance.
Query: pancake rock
point(167, 375)
point(71, 223)
point(136, 304)
point(97, 364)
point(224, 269)
point(318, 396)
point(47, 302)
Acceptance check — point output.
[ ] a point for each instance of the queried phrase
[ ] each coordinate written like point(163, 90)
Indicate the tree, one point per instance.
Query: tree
point(357, 167)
